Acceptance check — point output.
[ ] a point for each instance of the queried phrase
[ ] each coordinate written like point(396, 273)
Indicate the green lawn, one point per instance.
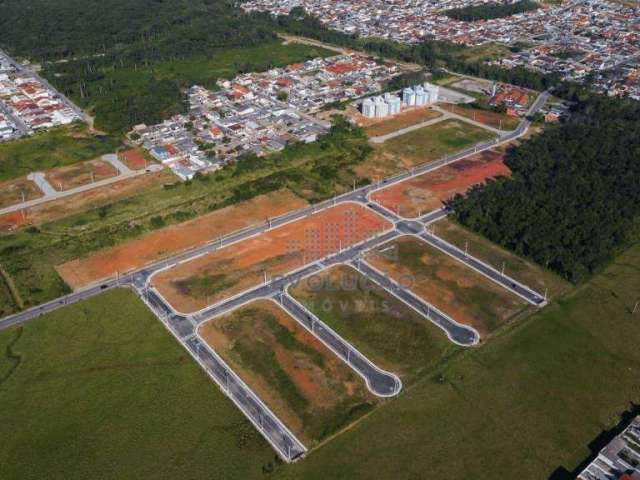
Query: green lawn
point(101, 390)
point(424, 145)
point(54, 148)
point(388, 332)
point(529, 401)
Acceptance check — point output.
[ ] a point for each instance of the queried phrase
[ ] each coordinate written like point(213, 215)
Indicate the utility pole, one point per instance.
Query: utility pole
point(502, 273)
point(466, 247)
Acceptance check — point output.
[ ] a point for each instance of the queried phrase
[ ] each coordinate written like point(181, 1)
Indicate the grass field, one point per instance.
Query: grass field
point(388, 332)
point(520, 269)
point(422, 146)
point(101, 390)
point(55, 148)
point(305, 384)
point(462, 293)
point(529, 401)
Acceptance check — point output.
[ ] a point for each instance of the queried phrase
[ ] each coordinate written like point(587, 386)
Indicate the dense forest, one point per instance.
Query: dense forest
point(573, 201)
point(488, 11)
point(106, 54)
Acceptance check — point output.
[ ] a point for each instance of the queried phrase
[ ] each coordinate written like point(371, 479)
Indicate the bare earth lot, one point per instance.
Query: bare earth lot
point(72, 176)
point(150, 247)
point(134, 159)
point(427, 192)
point(463, 294)
point(17, 191)
point(85, 200)
point(194, 285)
point(308, 387)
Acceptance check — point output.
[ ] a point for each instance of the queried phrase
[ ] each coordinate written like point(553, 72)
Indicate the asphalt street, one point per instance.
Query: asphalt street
point(457, 333)
point(185, 327)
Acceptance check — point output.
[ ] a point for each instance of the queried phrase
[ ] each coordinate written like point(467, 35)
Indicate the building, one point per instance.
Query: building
point(619, 460)
point(409, 97)
point(368, 108)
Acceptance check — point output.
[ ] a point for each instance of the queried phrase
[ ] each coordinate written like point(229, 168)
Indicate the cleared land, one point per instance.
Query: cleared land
point(112, 390)
point(17, 191)
point(83, 201)
point(402, 120)
point(486, 117)
point(169, 240)
point(516, 267)
point(194, 285)
point(463, 294)
point(78, 174)
point(388, 332)
point(134, 159)
point(55, 148)
point(307, 386)
point(422, 146)
point(531, 400)
point(427, 192)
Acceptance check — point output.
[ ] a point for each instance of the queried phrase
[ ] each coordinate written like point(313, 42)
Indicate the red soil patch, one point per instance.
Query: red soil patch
point(323, 388)
point(12, 221)
point(66, 178)
point(427, 192)
point(134, 159)
point(137, 253)
point(243, 265)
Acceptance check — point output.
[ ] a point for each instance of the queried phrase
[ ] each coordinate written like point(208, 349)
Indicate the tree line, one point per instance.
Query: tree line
point(572, 202)
point(487, 11)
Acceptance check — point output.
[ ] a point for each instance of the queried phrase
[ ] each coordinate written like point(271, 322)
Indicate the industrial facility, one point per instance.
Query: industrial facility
point(391, 104)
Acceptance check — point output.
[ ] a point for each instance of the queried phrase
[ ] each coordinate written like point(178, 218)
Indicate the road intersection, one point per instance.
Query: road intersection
point(185, 327)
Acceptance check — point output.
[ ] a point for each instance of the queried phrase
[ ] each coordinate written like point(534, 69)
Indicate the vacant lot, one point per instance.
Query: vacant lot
point(308, 387)
point(463, 294)
point(422, 146)
point(134, 159)
point(486, 117)
point(83, 201)
point(78, 174)
point(192, 286)
point(531, 400)
point(101, 390)
point(427, 192)
point(516, 267)
point(17, 191)
point(403, 120)
point(387, 331)
point(169, 240)
point(51, 149)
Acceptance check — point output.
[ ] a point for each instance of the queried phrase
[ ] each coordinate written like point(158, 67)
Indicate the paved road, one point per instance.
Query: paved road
point(494, 275)
point(460, 334)
point(383, 384)
point(51, 194)
point(185, 327)
point(383, 138)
